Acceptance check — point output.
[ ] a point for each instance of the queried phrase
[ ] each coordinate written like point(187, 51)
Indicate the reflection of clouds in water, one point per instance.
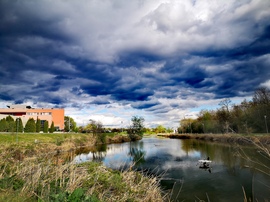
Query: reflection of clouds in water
point(175, 164)
point(170, 147)
point(83, 158)
point(117, 160)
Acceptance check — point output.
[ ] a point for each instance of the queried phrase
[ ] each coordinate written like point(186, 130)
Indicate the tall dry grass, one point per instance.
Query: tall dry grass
point(45, 172)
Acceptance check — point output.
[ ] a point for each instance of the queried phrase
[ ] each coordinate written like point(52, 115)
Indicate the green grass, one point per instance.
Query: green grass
point(40, 137)
point(28, 173)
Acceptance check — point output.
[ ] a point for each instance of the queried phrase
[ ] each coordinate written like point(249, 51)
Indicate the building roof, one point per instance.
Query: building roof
point(19, 107)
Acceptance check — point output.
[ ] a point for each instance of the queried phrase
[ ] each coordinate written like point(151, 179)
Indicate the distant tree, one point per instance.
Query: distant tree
point(30, 126)
point(260, 110)
point(169, 130)
point(186, 125)
point(248, 117)
point(96, 127)
point(160, 129)
point(11, 124)
point(262, 96)
point(70, 124)
point(38, 125)
point(3, 125)
point(137, 127)
point(52, 129)
point(46, 127)
point(18, 125)
point(225, 104)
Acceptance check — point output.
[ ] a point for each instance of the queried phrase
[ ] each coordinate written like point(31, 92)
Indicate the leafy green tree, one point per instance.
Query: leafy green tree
point(70, 124)
point(38, 125)
point(137, 127)
point(19, 125)
point(30, 126)
point(160, 129)
point(247, 117)
point(3, 125)
point(11, 124)
point(46, 127)
point(52, 129)
point(96, 127)
point(169, 130)
point(207, 119)
point(186, 125)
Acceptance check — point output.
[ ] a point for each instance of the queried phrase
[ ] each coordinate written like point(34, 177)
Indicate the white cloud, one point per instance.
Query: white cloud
point(266, 84)
point(103, 29)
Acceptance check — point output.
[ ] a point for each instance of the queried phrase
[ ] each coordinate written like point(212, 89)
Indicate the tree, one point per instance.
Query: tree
point(160, 129)
point(137, 127)
point(11, 124)
point(70, 124)
point(3, 125)
point(52, 129)
point(260, 109)
point(20, 125)
point(225, 104)
point(96, 127)
point(45, 126)
point(30, 126)
point(262, 96)
point(207, 119)
point(38, 125)
point(186, 125)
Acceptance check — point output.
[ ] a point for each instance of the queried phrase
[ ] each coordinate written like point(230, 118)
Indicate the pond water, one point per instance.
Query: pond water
point(236, 172)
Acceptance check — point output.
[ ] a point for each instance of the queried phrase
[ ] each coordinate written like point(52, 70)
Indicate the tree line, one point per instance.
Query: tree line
point(8, 124)
point(247, 117)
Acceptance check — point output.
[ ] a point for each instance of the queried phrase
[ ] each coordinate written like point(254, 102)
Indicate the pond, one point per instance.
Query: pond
point(236, 172)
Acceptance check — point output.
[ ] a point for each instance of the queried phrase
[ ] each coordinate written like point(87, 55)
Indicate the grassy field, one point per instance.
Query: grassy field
point(36, 169)
point(40, 137)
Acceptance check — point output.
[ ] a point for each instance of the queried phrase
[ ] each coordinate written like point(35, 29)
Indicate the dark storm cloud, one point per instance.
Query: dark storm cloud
point(53, 53)
point(100, 101)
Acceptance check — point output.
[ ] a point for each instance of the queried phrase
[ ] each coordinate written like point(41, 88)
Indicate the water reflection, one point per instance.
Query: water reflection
point(176, 162)
point(137, 153)
point(97, 153)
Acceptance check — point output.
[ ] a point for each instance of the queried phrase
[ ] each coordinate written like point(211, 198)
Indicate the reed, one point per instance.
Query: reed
point(44, 171)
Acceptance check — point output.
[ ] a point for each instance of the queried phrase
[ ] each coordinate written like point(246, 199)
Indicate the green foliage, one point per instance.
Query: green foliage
point(101, 138)
point(3, 125)
point(52, 129)
point(160, 129)
point(70, 124)
point(30, 126)
point(46, 127)
point(38, 125)
point(96, 127)
point(20, 126)
point(247, 117)
point(137, 127)
point(59, 141)
point(106, 178)
point(11, 124)
point(78, 195)
point(11, 182)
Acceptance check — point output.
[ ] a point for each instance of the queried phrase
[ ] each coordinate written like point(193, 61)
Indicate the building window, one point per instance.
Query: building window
point(42, 124)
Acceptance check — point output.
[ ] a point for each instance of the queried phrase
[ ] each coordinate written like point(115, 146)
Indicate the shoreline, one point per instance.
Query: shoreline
point(42, 170)
point(223, 138)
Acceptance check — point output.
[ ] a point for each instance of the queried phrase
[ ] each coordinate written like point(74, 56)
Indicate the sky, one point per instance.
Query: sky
point(110, 60)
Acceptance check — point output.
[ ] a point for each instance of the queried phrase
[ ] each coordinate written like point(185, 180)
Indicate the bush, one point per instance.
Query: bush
point(30, 126)
point(52, 129)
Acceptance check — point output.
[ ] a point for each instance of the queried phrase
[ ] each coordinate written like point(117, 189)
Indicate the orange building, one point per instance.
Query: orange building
point(55, 115)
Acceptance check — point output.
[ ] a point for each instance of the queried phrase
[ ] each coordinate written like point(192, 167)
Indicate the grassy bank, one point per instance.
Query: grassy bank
point(36, 169)
point(224, 138)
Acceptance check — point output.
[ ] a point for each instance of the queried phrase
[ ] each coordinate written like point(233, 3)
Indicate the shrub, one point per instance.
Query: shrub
point(30, 126)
